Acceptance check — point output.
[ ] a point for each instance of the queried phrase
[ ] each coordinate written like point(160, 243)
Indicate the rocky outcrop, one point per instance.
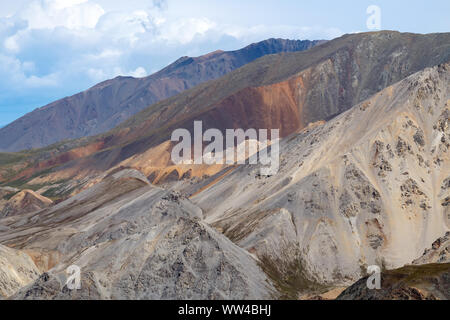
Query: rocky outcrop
point(17, 270)
point(187, 261)
point(20, 202)
point(425, 282)
point(438, 253)
point(425, 279)
point(133, 241)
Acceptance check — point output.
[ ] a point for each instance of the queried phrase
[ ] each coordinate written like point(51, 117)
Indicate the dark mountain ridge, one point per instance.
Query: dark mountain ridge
point(110, 102)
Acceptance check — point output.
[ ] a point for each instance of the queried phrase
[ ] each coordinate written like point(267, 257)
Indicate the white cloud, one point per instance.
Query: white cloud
point(185, 30)
point(50, 80)
point(126, 27)
point(71, 14)
point(11, 44)
point(138, 73)
point(63, 46)
point(16, 73)
point(98, 75)
point(105, 54)
point(62, 4)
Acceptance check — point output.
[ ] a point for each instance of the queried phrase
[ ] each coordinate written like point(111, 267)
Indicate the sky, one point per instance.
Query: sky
point(50, 49)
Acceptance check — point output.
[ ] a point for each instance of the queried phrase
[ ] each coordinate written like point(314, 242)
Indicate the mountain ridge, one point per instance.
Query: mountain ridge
point(315, 86)
point(106, 104)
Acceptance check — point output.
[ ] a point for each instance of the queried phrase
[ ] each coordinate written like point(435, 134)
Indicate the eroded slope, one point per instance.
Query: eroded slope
point(132, 241)
point(368, 187)
point(17, 270)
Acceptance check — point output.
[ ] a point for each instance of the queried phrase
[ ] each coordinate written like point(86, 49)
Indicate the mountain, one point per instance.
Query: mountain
point(438, 253)
point(132, 240)
point(366, 187)
point(109, 103)
point(287, 91)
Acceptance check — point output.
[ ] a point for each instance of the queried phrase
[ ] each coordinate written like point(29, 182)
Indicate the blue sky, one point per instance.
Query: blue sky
point(50, 49)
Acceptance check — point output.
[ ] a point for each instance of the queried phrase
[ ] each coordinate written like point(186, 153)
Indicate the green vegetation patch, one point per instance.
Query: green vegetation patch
point(290, 278)
point(11, 158)
point(412, 274)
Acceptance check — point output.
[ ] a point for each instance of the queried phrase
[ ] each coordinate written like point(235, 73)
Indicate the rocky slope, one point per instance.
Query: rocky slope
point(286, 91)
point(438, 253)
point(427, 279)
point(424, 282)
point(132, 241)
point(17, 270)
point(109, 103)
point(20, 202)
point(363, 189)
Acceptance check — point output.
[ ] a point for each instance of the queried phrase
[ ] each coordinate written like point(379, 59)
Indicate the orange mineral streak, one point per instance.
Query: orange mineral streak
point(275, 106)
point(60, 159)
point(215, 181)
point(44, 261)
point(72, 155)
point(157, 165)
